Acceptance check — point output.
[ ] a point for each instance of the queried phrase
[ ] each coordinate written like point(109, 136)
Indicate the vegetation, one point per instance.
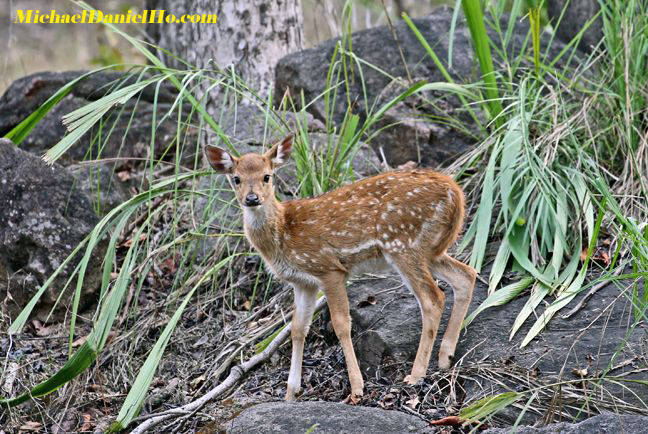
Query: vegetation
point(559, 171)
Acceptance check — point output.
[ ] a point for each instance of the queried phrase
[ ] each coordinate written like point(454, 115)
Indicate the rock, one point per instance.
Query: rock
point(387, 327)
point(323, 418)
point(607, 423)
point(578, 12)
point(28, 93)
point(407, 129)
point(43, 217)
point(122, 134)
point(386, 322)
point(99, 183)
point(306, 71)
point(249, 127)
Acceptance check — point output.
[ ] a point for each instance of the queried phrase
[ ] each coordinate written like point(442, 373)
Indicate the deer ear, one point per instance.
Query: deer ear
point(280, 152)
point(220, 160)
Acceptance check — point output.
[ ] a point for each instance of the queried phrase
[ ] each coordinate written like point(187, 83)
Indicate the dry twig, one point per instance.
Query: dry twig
point(235, 375)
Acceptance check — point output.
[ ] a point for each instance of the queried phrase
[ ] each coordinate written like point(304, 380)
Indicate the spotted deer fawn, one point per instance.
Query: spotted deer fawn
point(404, 219)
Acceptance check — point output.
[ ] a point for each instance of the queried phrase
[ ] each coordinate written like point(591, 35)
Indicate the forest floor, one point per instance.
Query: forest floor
point(210, 338)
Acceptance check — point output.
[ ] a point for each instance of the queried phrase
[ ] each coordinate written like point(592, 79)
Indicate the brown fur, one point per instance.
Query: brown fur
point(408, 218)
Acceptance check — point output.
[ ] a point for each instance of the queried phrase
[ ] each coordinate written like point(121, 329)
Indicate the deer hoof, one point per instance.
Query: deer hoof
point(354, 398)
point(445, 362)
point(412, 380)
point(291, 395)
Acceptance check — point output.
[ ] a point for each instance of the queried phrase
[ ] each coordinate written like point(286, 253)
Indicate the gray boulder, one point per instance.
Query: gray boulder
point(306, 71)
point(323, 418)
point(98, 181)
point(576, 14)
point(407, 130)
point(387, 325)
point(43, 217)
point(125, 130)
point(27, 93)
point(249, 127)
point(607, 423)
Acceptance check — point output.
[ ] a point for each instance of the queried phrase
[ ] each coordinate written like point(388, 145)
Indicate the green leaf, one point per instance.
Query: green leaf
point(573, 290)
point(500, 297)
point(78, 363)
point(511, 145)
point(538, 293)
point(261, 346)
point(489, 406)
point(499, 265)
point(484, 212)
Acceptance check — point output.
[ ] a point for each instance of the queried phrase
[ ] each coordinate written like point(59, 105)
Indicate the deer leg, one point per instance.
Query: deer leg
point(305, 299)
point(431, 301)
point(461, 278)
point(338, 303)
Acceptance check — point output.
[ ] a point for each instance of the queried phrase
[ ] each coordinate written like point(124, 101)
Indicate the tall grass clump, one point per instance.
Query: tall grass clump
point(532, 184)
point(535, 168)
point(624, 100)
point(565, 151)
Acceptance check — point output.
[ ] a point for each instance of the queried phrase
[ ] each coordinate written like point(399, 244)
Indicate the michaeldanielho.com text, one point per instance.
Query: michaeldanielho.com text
point(160, 16)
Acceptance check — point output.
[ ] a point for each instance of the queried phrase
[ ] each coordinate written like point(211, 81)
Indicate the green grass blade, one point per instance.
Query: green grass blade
point(442, 68)
point(534, 20)
point(488, 406)
point(500, 297)
point(482, 221)
point(538, 294)
point(22, 130)
point(499, 265)
point(135, 398)
point(511, 147)
point(571, 292)
point(78, 363)
point(481, 43)
point(453, 26)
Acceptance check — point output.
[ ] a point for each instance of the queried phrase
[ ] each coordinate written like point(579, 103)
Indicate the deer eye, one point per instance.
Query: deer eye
point(237, 180)
point(266, 178)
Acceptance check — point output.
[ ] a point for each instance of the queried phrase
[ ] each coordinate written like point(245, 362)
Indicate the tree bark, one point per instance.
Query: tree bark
point(250, 35)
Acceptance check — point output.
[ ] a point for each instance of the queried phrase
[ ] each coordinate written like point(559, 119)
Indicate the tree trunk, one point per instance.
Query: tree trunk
point(250, 35)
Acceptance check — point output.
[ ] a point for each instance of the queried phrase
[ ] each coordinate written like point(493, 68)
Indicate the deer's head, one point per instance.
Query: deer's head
point(251, 173)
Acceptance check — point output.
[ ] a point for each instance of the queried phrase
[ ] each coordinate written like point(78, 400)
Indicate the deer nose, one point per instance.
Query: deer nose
point(252, 200)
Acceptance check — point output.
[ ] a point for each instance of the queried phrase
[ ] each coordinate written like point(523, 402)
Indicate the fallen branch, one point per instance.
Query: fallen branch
point(589, 295)
point(236, 373)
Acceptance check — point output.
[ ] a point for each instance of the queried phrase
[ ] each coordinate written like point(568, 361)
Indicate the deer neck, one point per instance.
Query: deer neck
point(263, 227)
